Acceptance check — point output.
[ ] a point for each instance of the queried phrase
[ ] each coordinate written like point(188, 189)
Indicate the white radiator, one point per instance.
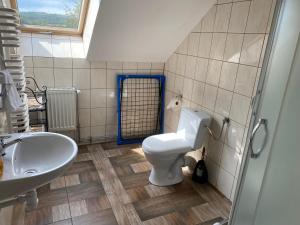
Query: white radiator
point(62, 109)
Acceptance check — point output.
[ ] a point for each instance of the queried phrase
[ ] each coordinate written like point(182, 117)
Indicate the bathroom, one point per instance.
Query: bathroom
point(222, 70)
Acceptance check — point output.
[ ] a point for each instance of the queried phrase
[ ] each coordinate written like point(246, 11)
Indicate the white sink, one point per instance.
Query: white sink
point(38, 159)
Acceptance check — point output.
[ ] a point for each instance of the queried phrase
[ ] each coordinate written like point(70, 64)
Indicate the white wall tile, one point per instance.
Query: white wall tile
point(82, 78)
point(193, 44)
point(181, 63)
point(44, 76)
point(222, 18)
point(229, 160)
point(228, 76)
point(61, 48)
point(225, 182)
point(209, 20)
point(81, 63)
point(84, 99)
point(111, 97)
point(98, 98)
point(42, 47)
point(98, 116)
point(233, 47)
point(213, 72)
point(239, 16)
point(251, 50)
point(187, 88)
point(240, 108)
point(84, 117)
point(198, 91)
point(26, 46)
point(97, 132)
point(209, 97)
point(201, 69)
point(98, 78)
point(218, 46)
point(223, 102)
point(178, 85)
point(111, 78)
point(245, 80)
point(234, 136)
point(258, 16)
point(190, 67)
point(204, 45)
point(42, 62)
point(63, 77)
point(63, 63)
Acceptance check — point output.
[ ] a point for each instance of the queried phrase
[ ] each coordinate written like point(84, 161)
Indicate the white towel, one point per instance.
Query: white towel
point(13, 98)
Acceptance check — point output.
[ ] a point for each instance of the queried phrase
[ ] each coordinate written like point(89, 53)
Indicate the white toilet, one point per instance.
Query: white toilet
point(166, 151)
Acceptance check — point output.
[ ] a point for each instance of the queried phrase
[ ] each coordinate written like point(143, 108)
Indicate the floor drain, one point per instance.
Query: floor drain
point(31, 171)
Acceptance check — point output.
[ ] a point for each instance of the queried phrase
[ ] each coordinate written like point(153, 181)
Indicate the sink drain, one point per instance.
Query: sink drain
point(31, 171)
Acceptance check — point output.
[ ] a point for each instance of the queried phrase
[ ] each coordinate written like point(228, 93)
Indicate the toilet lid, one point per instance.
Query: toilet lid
point(165, 144)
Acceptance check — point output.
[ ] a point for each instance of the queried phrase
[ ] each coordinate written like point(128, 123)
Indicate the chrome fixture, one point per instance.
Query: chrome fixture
point(4, 145)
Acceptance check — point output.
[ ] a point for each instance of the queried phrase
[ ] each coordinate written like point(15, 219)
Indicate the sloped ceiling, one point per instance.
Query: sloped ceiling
point(143, 30)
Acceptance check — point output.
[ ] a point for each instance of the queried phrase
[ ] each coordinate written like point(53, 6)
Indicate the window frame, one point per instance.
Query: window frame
point(56, 30)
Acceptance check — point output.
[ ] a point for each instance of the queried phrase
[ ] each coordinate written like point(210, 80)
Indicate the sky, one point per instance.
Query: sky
point(48, 6)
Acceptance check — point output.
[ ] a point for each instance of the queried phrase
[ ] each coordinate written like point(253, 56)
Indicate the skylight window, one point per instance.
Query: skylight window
point(56, 16)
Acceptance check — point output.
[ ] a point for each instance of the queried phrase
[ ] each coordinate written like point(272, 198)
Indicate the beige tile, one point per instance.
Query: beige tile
point(198, 91)
point(82, 78)
point(61, 47)
point(28, 61)
point(209, 97)
point(229, 160)
point(251, 50)
point(213, 72)
point(222, 18)
point(223, 102)
point(98, 65)
point(238, 17)
point(58, 183)
point(72, 180)
point(209, 20)
point(214, 150)
point(111, 97)
point(228, 76)
point(218, 46)
point(84, 117)
point(183, 47)
point(240, 108)
point(62, 63)
point(78, 208)
point(44, 76)
point(81, 63)
point(258, 16)
point(245, 80)
point(98, 133)
point(130, 65)
point(141, 167)
point(201, 69)
point(234, 136)
point(98, 98)
point(60, 212)
point(98, 116)
point(114, 65)
point(42, 47)
point(42, 62)
point(178, 85)
point(262, 55)
point(190, 67)
point(187, 88)
point(204, 45)
point(193, 44)
point(98, 78)
point(84, 99)
point(171, 63)
point(233, 47)
point(181, 63)
point(63, 78)
point(225, 182)
point(111, 115)
point(111, 75)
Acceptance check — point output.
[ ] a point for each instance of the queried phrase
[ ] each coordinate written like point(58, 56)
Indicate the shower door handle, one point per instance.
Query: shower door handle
point(261, 122)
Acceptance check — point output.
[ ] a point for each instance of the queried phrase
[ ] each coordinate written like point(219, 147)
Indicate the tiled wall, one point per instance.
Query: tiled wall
point(216, 69)
point(60, 62)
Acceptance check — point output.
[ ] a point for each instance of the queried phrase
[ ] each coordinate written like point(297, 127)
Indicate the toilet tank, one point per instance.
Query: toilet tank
point(192, 125)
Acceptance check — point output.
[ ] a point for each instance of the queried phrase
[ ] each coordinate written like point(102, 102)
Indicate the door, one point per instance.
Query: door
point(268, 190)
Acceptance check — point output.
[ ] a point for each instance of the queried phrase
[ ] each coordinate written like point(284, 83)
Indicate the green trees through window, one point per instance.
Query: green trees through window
point(50, 13)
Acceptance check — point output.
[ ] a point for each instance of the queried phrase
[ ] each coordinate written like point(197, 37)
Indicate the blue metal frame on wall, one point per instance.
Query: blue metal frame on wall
point(120, 80)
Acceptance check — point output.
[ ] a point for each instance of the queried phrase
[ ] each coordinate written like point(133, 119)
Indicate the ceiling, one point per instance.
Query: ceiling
point(140, 30)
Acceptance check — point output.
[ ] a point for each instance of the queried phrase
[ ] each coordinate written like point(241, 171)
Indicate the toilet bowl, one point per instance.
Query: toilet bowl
point(165, 152)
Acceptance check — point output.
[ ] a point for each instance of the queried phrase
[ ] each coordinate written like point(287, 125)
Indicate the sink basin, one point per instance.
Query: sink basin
point(38, 159)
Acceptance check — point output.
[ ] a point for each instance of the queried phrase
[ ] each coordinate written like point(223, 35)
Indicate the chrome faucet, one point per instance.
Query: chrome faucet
point(4, 145)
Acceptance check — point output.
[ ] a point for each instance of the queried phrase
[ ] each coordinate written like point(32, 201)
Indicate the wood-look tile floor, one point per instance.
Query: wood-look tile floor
point(108, 185)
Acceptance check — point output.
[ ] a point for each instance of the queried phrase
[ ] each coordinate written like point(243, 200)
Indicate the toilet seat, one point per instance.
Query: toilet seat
point(165, 144)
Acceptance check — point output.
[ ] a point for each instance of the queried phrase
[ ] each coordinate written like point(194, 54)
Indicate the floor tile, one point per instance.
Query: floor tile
point(84, 191)
point(58, 183)
point(105, 217)
point(97, 204)
point(40, 216)
point(60, 212)
point(141, 167)
point(62, 222)
point(72, 180)
point(78, 208)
